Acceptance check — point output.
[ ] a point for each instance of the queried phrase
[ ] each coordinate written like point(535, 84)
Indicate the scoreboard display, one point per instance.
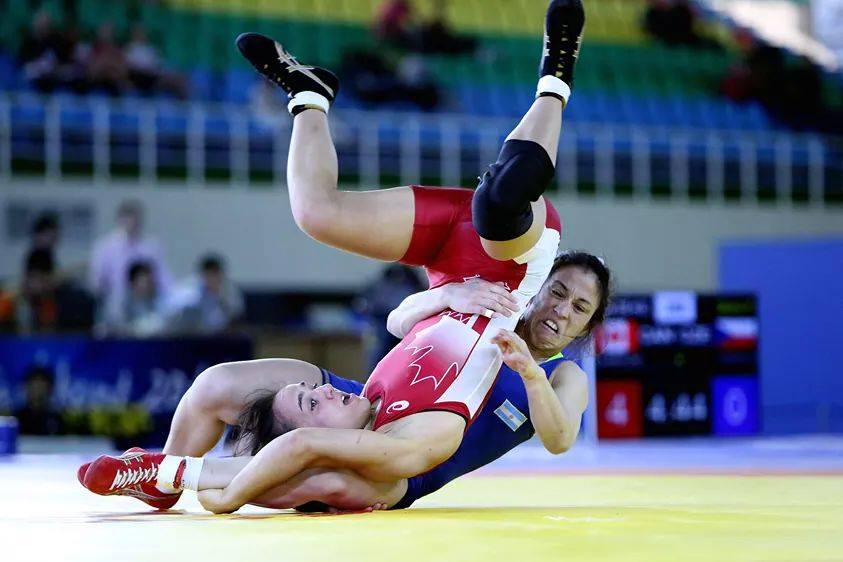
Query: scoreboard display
point(678, 363)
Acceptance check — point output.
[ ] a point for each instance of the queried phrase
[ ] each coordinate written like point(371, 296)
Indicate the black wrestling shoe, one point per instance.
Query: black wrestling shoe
point(274, 62)
point(563, 25)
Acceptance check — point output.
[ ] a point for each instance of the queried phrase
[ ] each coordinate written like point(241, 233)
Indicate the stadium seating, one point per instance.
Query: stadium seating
point(623, 79)
point(616, 61)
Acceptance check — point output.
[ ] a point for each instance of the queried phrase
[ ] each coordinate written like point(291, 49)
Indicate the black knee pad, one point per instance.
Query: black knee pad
point(501, 204)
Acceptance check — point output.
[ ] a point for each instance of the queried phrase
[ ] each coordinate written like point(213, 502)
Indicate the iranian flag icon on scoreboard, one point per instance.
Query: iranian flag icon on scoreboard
point(735, 401)
point(619, 409)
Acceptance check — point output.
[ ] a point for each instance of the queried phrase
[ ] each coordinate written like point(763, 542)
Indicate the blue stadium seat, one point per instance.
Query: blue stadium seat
point(9, 73)
point(238, 85)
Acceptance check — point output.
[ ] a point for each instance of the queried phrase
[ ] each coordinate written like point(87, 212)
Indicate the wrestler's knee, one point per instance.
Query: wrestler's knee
point(501, 203)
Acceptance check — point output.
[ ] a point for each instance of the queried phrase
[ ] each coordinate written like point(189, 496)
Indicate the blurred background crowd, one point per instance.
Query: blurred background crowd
point(125, 290)
point(66, 46)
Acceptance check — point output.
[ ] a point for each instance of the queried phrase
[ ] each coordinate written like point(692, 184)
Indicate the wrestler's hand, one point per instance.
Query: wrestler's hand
point(370, 509)
point(478, 296)
point(516, 355)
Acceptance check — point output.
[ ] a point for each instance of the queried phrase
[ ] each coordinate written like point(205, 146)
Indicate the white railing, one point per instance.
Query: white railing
point(204, 143)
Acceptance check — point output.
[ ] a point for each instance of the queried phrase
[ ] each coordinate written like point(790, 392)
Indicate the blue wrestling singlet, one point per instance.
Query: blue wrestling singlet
point(501, 425)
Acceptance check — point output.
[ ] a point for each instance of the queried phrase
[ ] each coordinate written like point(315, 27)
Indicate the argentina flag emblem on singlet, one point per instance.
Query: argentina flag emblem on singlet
point(510, 415)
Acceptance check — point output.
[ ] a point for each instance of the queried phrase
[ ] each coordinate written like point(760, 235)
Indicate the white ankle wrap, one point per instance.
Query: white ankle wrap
point(553, 85)
point(309, 99)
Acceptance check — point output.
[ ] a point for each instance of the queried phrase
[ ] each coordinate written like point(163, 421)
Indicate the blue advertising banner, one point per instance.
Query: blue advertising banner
point(95, 379)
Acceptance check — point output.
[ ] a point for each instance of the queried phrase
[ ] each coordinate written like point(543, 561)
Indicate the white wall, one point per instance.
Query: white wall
point(649, 245)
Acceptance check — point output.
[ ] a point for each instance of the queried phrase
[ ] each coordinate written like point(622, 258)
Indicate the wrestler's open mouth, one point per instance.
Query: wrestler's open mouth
point(346, 398)
point(551, 325)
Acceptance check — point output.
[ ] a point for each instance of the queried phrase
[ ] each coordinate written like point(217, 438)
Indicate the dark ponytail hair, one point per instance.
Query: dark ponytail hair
point(597, 266)
point(256, 425)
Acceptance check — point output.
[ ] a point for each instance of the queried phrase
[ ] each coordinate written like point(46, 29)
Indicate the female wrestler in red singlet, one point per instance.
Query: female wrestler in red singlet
point(429, 388)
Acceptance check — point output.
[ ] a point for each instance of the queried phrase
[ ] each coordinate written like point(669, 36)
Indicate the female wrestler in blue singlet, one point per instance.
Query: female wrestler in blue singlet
point(509, 228)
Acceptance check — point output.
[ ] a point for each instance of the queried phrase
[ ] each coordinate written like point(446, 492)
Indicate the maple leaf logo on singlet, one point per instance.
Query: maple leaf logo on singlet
point(459, 316)
point(422, 353)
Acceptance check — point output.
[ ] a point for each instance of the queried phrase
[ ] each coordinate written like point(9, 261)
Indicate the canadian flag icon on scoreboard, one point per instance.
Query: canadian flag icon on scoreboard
point(617, 337)
point(619, 409)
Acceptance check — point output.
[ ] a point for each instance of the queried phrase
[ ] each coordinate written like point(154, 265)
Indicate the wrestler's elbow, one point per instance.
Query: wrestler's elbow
point(393, 324)
point(557, 449)
point(558, 443)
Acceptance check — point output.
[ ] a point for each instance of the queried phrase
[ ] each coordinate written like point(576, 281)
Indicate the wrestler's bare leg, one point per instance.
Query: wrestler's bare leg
point(218, 395)
point(542, 124)
point(343, 219)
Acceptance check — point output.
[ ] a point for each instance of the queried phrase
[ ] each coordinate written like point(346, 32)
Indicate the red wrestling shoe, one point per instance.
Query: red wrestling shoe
point(131, 474)
point(80, 473)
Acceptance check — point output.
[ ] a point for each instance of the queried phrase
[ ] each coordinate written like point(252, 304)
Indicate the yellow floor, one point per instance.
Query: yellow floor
point(45, 515)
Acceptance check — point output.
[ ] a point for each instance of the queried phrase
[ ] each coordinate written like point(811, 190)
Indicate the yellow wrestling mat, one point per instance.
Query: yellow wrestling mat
point(46, 515)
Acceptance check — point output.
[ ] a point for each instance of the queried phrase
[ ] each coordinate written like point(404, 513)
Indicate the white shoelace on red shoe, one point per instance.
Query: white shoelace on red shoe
point(131, 476)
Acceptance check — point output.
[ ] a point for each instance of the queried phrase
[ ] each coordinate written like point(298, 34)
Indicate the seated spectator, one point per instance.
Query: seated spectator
point(395, 23)
point(52, 59)
point(116, 251)
point(45, 233)
point(145, 70)
point(43, 303)
point(37, 415)
point(790, 90)
point(370, 79)
point(207, 303)
point(438, 37)
point(674, 22)
point(107, 68)
point(34, 308)
point(142, 313)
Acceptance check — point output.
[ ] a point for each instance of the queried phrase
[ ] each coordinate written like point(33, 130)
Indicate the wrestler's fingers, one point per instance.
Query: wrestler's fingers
point(496, 306)
point(504, 295)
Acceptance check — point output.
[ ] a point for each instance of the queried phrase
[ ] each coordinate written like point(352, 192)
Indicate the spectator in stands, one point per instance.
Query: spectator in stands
point(142, 313)
point(51, 58)
point(371, 79)
point(146, 72)
point(790, 89)
point(114, 253)
point(395, 283)
point(34, 308)
point(45, 233)
point(674, 22)
point(438, 36)
point(107, 68)
point(207, 303)
point(37, 415)
point(396, 23)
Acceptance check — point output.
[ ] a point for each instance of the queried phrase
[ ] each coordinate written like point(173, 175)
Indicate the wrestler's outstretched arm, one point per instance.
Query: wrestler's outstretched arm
point(373, 455)
point(220, 393)
point(339, 489)
point(556, 407)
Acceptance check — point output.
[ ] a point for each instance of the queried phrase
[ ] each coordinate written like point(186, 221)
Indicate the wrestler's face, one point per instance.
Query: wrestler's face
point(562, 310)
point(302, 405)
